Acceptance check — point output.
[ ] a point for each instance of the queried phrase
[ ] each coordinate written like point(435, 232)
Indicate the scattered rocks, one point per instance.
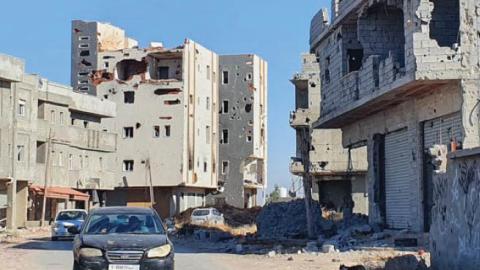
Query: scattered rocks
point(271, 254)
point(290, 258)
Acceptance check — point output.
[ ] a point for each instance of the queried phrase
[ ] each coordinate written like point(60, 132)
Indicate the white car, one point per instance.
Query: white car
point(207, 216)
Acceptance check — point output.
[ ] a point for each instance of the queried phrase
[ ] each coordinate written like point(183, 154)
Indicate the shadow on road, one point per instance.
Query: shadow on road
point(45, 244)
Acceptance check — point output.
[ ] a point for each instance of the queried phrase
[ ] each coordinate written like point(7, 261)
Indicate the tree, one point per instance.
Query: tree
point(274, 195)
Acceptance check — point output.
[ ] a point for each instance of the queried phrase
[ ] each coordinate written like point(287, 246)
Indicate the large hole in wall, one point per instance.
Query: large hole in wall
point(381, 32)
point(128, 68)
point(445, 23)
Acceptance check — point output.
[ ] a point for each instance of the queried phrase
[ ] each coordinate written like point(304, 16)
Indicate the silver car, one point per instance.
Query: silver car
point(207, 216)
point(66, 219)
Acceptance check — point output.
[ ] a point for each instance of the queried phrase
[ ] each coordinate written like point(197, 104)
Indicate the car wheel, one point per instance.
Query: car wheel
point(54, 238)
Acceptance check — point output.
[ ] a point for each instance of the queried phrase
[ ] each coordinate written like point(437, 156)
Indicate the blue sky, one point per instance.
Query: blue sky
point(277, 30)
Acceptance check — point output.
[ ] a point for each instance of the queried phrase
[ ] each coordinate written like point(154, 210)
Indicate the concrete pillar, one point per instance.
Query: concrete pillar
point(22, 203)
point(12, 205)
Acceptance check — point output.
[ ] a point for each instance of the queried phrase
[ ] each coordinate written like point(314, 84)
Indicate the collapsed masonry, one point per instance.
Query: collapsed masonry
point(400, 77)
point(176, 125)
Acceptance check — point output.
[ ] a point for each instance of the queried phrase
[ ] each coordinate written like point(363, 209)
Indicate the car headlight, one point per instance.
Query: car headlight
point(159, 252)
point(90, 252)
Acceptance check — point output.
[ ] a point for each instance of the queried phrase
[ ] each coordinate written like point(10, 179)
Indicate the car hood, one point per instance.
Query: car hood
point(124, 241)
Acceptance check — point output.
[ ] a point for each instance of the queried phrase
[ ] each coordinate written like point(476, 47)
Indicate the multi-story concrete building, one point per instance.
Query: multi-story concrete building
point(399, 77)
point(167, 102)
point(243, 128)
point(50, 136)
point(336, 173)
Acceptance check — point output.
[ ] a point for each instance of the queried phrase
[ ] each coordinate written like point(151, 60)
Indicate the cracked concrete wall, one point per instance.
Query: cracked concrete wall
point(245, 98)
point(455, 233)
point(440, 77)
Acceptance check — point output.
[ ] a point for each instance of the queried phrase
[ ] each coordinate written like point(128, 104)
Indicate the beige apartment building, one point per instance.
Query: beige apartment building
point(167, 104)
point(50, 136)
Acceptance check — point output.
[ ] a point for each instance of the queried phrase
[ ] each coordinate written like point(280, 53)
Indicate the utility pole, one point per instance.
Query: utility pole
point(12, 188)
point(149, 169)
point(307, 183)
point(47, 176)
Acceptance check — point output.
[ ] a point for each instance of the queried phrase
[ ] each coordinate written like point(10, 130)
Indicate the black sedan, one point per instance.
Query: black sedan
point(122, 238)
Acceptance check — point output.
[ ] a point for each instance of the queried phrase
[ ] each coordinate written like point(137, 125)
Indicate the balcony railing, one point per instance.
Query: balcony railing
point(79, 137)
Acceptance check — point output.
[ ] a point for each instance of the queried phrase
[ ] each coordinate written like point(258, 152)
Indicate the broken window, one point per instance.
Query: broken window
point(83, 45)
point(249, 76)
point(84, 53)
point(249, 138)
point(22, 107)
point(355, 57)
point(381, 32)
point(225, 167)
point(224, 139)
point(445, 23)
point(129, 97)
point(205, 166)
point(85, 124)
point(83, 82)
point(83, 38)
point(84, 88)
point(172, 102)
point(20, 152)
point(83, 73)
point(225, 106)
point(128, 132)
point(207, 103)
point(208, 72)
point(156, 131)
point(163, 73)
point(128, 165)
point(248, 107)
point(225, 77)
point(167, 130)
point(128, 68)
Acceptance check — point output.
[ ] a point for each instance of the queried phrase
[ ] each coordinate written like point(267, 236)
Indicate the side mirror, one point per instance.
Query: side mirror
point(73, 230)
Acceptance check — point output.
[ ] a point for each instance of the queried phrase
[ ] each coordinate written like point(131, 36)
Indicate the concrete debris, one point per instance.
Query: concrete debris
point(406, 262)
point(327, 248)
point(271, 253)
point(287, 220)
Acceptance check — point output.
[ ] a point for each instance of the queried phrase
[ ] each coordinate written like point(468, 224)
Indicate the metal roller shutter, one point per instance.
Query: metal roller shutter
point(442, 130)
point(397, 179)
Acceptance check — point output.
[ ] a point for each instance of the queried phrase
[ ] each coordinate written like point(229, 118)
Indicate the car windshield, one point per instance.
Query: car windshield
point(124, 224)
point(71, 215)
point(198, 213)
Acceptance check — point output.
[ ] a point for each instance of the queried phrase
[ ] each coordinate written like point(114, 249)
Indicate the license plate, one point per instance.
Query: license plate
point(123, 267)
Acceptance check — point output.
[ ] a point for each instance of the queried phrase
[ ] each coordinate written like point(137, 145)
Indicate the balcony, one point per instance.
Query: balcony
point(300, 118)
point(297, 167)
point(78, 137)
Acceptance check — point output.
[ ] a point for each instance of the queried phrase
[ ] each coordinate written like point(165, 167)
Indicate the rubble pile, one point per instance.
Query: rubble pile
point(288, 220)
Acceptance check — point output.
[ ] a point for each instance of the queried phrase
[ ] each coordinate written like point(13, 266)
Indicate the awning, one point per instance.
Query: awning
point(64, 193)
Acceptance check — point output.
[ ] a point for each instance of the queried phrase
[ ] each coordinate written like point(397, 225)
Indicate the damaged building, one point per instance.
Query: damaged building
point(167, 116)
point(243, 124)
point(336, 173)
point(399, 77)
point(50, 137)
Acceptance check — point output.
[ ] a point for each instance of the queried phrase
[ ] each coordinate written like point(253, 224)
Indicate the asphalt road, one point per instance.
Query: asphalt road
point(43, 254)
